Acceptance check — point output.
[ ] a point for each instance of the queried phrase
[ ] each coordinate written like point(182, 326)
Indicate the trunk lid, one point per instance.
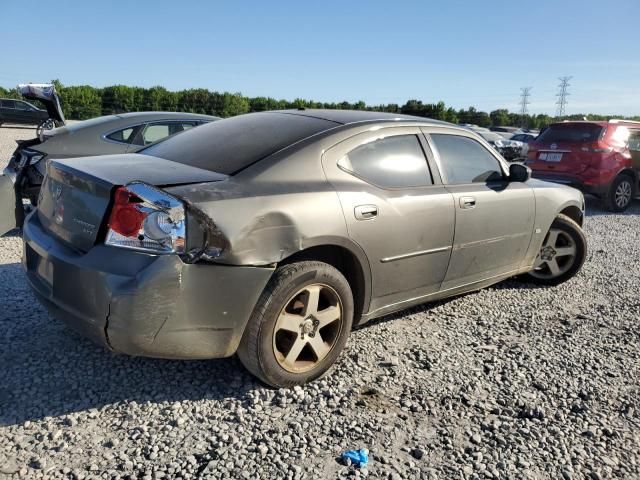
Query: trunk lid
point(45, 93)
point(76, 193)
point(566, 147)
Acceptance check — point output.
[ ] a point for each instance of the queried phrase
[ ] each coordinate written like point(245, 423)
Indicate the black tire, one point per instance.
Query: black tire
point(257, 347)
point(613, 200)
point(47, 124)
point(574, 231)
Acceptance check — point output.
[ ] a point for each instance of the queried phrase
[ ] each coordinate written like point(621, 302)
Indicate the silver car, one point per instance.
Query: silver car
point(272, 234)
point(122, 133)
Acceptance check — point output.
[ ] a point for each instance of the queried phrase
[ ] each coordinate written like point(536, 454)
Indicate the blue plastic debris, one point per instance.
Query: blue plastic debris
point(359, 458)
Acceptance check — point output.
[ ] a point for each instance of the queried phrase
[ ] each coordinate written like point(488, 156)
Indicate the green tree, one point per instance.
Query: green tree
point(500, 117)
point(234, 104)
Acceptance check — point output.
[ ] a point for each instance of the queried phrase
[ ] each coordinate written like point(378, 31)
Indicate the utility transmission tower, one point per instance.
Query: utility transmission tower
point(525, 93)
point(562, 96)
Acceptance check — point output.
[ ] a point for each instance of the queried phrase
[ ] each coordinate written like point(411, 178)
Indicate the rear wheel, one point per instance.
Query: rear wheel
point(299, 325)
point(562, 254)
point(620, 193)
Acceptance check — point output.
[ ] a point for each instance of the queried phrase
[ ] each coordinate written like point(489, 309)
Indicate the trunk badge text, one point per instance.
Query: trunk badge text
point(87, 227)
point(58, 211)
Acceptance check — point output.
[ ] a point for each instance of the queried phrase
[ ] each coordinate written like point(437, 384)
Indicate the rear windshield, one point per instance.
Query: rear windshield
point(228, 146)
point(571, 132)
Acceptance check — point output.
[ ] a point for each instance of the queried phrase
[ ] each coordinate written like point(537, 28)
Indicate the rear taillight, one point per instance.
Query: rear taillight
point(146, 218)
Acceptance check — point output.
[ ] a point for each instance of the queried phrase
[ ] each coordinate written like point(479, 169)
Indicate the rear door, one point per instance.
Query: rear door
point(494, 217)
point(395, 209)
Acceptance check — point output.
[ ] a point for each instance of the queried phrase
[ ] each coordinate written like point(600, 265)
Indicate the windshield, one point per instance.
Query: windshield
point(490, 136)
point(230, 145)
point(571, 132)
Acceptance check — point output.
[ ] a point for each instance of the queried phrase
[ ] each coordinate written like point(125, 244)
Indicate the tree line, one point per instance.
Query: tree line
point(80, 102)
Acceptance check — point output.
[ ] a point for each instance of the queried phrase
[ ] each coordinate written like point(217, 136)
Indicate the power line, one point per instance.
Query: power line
point(525, 93)
point(562, 96)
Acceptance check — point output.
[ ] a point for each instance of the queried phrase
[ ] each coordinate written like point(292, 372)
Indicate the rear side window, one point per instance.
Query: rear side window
point(122, 136)
point(230, 145)
point(391, 162)
point(571, 133)
point(464, 160)
point(8, 104)
point(634, 140)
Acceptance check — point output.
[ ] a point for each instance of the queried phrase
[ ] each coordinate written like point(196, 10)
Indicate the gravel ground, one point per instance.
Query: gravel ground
point(511, 382)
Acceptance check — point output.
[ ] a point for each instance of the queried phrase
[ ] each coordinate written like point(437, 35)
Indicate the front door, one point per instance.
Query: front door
point(494, 217)
point(394, 210)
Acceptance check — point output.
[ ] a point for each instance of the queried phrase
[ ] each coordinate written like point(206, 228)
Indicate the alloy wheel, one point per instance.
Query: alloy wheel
point(307, 328)
point(556, 256)
point(623, 193)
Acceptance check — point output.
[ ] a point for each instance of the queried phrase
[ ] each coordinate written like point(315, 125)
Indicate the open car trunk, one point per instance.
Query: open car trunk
point(77, 193)
point(47, 95)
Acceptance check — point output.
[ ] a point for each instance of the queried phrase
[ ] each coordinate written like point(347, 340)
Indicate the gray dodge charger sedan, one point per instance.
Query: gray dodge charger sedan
point(272, 234)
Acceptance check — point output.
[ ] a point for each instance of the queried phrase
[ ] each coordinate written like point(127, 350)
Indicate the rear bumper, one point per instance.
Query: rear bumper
point(141, 304)
point(572, 181)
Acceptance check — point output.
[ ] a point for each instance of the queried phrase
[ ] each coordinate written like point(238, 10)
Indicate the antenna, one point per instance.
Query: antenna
point(562, 96)
point(525, 93)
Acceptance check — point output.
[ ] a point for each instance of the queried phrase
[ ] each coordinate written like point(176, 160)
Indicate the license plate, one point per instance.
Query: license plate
point(550, 157)
point(45, 271)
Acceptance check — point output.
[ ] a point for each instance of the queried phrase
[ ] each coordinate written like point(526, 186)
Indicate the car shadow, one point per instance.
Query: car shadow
point(513, 283)
point(594, 207)
point(18, 126)
point(48, 370)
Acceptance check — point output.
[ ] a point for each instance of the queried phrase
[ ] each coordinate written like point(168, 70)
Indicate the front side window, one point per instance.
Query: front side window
point(464, 160)
point(391, 162)
point(634, 140)
point(620, 137)
point(22, 106)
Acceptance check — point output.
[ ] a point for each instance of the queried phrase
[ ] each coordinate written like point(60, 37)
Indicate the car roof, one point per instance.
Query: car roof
point(149, 116)
point(346, 117)
point(233, 144)
point(602, 123)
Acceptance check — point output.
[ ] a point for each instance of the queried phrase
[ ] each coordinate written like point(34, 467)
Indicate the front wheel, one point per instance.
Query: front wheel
point(562, 254)
point(299, 325)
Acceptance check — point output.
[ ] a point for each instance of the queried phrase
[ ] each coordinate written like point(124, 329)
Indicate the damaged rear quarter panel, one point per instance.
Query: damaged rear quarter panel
point(272, 210)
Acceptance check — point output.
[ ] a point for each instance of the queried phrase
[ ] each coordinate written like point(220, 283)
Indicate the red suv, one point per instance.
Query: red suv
point(591, 156)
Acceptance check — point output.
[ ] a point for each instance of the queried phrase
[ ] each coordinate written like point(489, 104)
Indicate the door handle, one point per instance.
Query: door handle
point(365, 212)
point(467, 202)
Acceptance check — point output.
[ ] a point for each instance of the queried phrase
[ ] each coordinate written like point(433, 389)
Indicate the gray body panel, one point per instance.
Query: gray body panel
point(87, 139)
point(422, 245)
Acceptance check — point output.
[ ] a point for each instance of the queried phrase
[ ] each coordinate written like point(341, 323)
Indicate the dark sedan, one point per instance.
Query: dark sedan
point(20, 112)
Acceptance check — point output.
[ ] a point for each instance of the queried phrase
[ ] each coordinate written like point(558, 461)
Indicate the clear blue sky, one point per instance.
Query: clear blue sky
point(462, 52)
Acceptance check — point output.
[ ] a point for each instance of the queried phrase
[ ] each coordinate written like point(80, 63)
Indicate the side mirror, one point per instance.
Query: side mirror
point(519, 172)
